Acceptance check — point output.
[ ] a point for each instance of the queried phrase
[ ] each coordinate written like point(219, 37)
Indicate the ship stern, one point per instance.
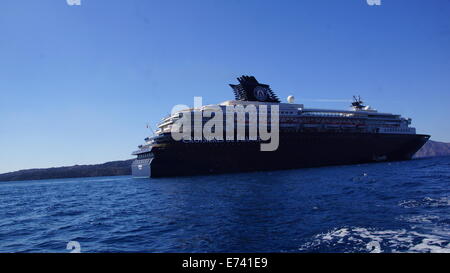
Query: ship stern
point(141, 168)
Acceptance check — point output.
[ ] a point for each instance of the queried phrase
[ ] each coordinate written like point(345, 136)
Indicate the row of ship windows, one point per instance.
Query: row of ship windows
point(303, 118)
point(349, 124)
point(325, 114)
point(296, 121)
point(300, 119)
point(397, 129)
point(143, 156)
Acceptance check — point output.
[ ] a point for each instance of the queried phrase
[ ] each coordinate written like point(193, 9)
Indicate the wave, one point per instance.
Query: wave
point(425, 202)
point(359, 239)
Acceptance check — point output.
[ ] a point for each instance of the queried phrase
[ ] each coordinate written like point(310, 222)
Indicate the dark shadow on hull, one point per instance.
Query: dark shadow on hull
point(295, 151)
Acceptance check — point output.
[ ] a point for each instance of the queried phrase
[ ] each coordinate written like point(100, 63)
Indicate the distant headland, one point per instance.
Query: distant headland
point(123, 167)
point(434, 148)
point(112, 168)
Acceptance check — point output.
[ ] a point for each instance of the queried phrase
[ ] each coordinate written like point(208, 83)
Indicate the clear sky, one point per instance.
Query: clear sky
point(78, 84)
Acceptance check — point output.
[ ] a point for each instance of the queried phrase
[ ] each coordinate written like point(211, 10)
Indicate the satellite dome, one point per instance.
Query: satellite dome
point(290, 99)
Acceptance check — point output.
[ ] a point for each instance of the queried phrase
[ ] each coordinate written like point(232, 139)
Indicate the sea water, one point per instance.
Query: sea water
point(383, 207)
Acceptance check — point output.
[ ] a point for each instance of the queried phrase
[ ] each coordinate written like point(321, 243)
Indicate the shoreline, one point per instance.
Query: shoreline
point(123, 167)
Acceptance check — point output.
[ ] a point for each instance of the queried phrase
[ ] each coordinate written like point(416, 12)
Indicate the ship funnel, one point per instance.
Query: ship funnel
point(249, 89)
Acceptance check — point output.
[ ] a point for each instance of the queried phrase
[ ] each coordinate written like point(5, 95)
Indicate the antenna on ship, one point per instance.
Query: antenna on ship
point(357, 103)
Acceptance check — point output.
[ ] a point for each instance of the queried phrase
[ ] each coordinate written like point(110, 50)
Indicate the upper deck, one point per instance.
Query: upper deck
point(251, 96)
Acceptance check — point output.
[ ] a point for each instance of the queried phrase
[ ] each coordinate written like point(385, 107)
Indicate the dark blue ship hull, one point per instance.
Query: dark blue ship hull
point(296, 150)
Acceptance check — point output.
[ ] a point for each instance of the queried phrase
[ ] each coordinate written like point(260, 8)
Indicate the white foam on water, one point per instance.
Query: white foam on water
point(419, 219)
point(433, 246)
point(360, 239)
point(426, 202)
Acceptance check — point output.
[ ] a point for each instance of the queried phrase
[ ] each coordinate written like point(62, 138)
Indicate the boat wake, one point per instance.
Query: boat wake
point(359, 239)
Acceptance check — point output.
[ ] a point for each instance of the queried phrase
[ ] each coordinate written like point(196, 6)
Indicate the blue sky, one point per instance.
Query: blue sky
point(78, 84)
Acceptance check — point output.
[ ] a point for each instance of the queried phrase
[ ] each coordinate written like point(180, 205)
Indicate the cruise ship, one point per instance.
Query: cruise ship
point(306, 137)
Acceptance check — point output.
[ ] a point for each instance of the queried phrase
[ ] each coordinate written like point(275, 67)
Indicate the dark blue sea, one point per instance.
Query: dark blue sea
point(383, 207)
